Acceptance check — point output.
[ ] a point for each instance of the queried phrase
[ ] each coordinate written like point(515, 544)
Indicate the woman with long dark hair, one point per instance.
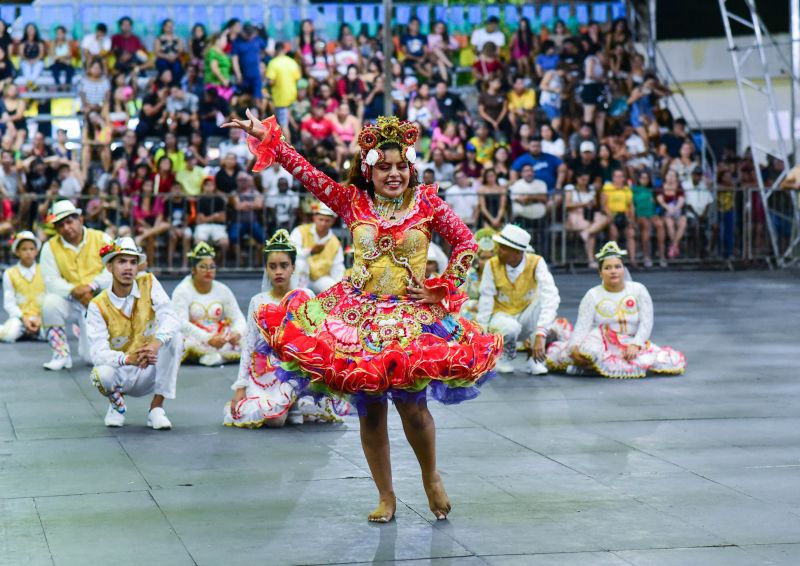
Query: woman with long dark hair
point(384, 332)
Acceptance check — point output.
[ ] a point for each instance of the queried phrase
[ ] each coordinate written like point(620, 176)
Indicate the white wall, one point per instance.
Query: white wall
point(705, 71)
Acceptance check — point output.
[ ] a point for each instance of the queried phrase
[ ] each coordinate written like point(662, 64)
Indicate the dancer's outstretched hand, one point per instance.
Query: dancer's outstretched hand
point(252, 126)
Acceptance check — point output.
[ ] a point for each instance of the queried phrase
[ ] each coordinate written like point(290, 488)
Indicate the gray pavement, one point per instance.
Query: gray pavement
point(701, 469)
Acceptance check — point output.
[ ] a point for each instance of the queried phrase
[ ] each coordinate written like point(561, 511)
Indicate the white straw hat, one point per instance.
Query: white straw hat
point(514, 237)
point(62, 209)
point(20, 237)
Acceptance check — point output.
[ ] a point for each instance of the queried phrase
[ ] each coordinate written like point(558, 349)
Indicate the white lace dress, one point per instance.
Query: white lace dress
point(203, 315)
point(607, 323)
point(267, 398)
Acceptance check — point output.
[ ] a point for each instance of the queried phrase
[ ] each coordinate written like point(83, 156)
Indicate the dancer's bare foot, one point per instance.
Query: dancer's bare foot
point(437, 496)
point(384, 512)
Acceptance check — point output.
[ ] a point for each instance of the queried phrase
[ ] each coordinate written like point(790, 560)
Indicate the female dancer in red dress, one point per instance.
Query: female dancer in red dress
point(384, 332)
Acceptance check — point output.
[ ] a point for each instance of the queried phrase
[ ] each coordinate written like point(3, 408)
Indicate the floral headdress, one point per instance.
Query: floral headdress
point(280, 242)
point(386, 130)
point(611, 249)
point(484, 239)
point(200, 252)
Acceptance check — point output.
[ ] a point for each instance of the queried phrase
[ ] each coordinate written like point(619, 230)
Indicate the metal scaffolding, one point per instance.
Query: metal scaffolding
point(758, 42)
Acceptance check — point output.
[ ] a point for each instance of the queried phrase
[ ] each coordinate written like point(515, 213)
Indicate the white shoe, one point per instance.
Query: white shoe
point(114, 418)
point(575, 370)
point(211, 359)
point(295, 417)
point(57, 364)
point(504, 365)
point(535, 368)
point(157, 419)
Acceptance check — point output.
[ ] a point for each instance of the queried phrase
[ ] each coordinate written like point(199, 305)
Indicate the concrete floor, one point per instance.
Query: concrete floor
point(701, 469)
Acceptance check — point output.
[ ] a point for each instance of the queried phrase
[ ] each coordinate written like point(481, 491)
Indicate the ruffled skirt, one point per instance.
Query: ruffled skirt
point(267, 398)
point(366, 348)
point(601, 352)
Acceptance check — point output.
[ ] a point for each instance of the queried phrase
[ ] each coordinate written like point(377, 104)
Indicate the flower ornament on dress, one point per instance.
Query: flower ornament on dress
point(265, 148)
point(386, 130)
point(200, 252)
point(611, 249)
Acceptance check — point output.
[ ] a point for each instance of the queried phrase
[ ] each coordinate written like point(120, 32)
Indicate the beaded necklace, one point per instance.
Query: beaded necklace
point(388, 207)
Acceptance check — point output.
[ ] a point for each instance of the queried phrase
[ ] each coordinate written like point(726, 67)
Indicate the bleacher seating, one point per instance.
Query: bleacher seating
point(281, 18)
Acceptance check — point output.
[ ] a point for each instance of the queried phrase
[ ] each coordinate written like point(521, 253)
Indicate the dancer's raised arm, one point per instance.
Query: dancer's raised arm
point(266, 144)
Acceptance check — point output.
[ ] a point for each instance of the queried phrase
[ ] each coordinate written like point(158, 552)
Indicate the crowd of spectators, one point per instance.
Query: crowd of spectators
point(550, 127)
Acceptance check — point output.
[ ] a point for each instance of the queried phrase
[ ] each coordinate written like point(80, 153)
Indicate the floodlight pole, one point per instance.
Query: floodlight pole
point(387, 58)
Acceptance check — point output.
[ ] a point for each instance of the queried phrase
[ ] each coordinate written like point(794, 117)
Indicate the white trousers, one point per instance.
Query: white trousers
point(13, 329)
point(322, 284)
point(160, 379)
point(58, 311)
point(519, 327)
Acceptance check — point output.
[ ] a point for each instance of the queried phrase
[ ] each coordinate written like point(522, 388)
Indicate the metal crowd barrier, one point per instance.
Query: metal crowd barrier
point(732, 229)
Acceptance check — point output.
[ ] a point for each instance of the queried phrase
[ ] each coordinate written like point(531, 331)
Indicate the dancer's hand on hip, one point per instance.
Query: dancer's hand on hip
point(426, 295)
point(252, 126)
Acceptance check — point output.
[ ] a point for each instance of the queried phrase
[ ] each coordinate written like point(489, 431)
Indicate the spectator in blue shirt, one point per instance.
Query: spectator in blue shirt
point(547, 60)
point(415, 48)
point(547, 167)
point(246, 54)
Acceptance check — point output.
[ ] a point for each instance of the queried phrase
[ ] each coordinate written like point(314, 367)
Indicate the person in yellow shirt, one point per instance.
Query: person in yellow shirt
point(616, 201)
point(521, 102)
point(283, 72)
point(23, 291)
point(73, 274)
point(484, 144)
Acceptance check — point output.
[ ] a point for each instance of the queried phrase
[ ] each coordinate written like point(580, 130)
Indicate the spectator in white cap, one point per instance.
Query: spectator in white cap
point(518, 298)
point(135, 338)
point(23, 291)
point(320, 257)
point(73, 274)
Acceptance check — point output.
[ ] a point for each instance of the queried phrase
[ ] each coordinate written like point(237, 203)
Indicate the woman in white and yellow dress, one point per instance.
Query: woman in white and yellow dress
point(211, 321)
point(260, 397)
point(612, 334)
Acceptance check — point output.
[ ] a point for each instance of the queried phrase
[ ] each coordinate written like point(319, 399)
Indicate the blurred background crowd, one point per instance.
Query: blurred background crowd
point(562, 129)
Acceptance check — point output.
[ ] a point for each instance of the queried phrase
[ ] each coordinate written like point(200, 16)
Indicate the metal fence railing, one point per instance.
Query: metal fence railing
point(731, 228)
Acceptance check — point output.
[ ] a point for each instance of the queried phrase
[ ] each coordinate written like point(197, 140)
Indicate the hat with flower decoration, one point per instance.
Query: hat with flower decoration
point(121, 246)
point(25, 235)
point(485, 240)
point(386, 130)
point(200, 252)
point(611, 249)
point(280, 242)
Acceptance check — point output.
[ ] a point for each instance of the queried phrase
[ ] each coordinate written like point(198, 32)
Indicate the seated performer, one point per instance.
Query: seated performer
point(612, 335)
point(23, 291)
point(212, 323)
point(260, 398)
point(320, 259)
point(486, 251)
point(518, 298)
point(73, 274)
point(134, 335)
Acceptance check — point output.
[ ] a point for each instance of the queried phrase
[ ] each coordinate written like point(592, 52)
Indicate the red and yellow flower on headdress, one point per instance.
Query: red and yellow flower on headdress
point(386, 130)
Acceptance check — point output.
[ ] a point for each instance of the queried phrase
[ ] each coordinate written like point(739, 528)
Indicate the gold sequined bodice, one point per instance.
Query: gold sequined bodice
point(384, 261)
